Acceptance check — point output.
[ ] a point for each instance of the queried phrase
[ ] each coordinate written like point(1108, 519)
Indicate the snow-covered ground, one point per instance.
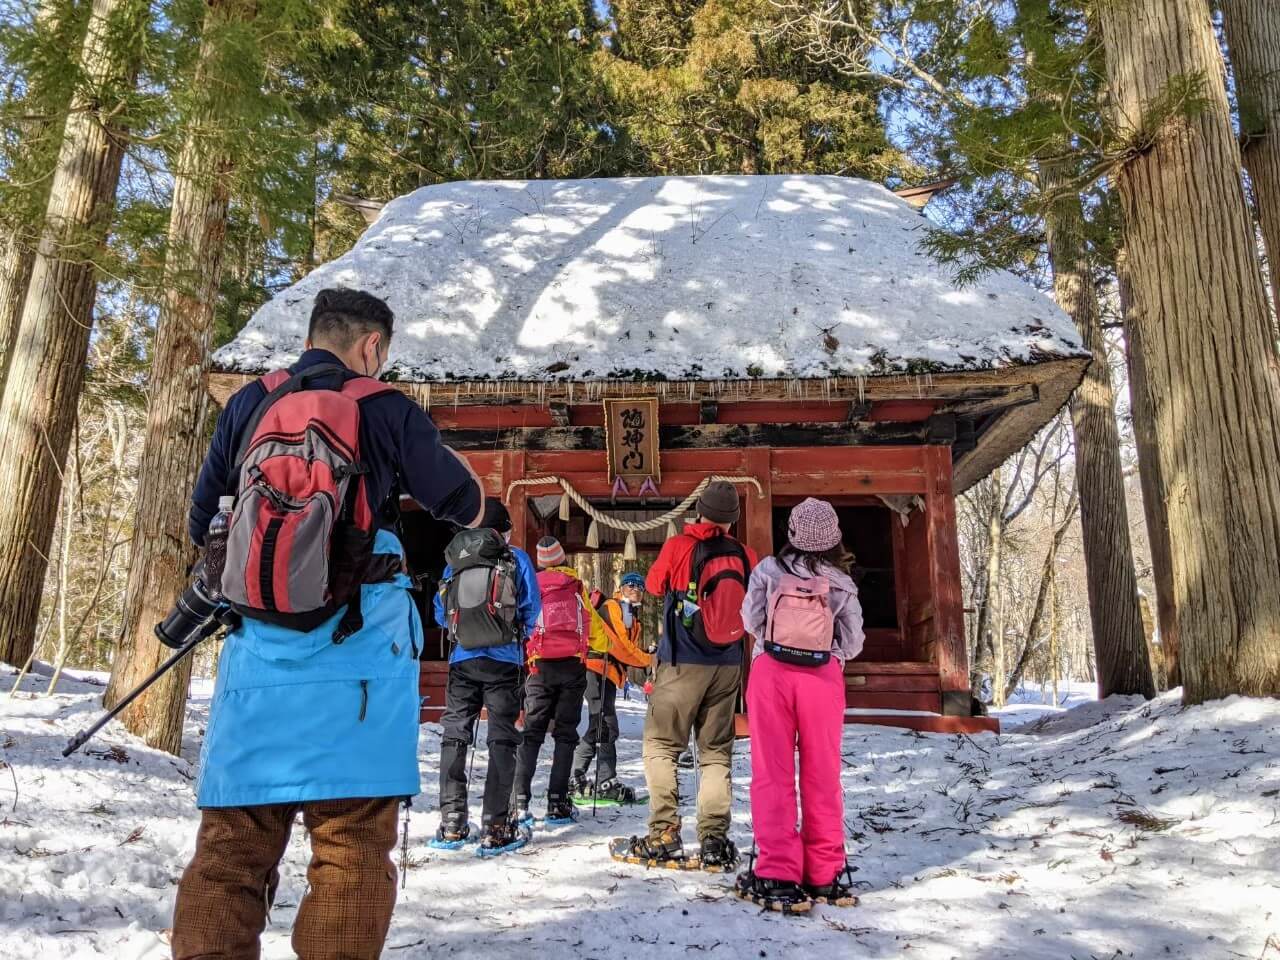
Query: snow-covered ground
point(1114, 829)
point(1031, 702)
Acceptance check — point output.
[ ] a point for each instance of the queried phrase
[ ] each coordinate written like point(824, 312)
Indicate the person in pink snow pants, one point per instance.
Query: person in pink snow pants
point(795, 703)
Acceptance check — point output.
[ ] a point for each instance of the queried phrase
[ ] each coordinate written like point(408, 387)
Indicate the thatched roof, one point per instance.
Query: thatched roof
point(681, 286)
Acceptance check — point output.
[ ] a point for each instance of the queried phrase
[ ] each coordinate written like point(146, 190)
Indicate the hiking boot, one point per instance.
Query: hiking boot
point(718, 854)
point(837, 893)
point(561, 811)
point(613, 790)
point(520, 814)
point(500, 833)
point(453, 829)
point(666, 845)
point(781, 896)
point(579, 785)
point(685, 760)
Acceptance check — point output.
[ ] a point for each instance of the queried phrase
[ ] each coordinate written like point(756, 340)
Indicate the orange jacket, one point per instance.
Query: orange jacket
point(624, 644)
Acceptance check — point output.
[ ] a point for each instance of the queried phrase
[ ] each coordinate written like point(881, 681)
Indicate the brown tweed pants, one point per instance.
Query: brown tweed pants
point(231, 881)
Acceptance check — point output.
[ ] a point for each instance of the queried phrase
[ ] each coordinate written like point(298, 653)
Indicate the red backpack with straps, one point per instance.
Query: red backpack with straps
point(301, 537)
point(712, 604)
point(564, 624)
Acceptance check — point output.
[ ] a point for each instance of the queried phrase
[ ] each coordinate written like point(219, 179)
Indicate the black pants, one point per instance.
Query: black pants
point(553, 693)
point(495, 686)
point(600, 742)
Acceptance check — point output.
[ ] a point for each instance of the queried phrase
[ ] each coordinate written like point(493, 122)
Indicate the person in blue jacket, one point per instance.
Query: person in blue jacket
point(488, 677)
point(299, 723)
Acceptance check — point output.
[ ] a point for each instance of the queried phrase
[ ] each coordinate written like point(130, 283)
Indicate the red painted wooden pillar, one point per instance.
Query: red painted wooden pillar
point(518, 505)
point(944, 556)
point(757, 526)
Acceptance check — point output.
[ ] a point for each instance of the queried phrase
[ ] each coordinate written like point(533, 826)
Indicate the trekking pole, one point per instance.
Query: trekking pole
point(84, 736)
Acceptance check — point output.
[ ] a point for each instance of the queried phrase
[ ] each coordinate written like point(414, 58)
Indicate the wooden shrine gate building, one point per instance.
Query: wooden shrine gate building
point(786, 329)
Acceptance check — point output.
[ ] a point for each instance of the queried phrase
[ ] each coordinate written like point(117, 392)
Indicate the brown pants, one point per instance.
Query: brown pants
point(231, 881)
point(691, 697)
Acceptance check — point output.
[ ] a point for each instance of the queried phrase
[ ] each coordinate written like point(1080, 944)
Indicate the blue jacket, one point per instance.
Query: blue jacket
point(529, 600)
point(399, 445)
point(296, 717)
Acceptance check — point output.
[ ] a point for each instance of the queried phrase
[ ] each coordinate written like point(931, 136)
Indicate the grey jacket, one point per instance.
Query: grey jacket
point(847, 610)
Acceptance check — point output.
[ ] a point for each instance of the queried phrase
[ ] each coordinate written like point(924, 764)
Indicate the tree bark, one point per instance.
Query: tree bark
point(1153, 507)
point(1252, 28)
point(17, 251)
point(47, 368)
point(1123, 665)
point(174, 441)
point(1201, 312)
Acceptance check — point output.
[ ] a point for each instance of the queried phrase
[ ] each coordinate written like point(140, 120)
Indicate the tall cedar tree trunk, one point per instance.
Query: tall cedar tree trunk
point(1123, 665)
point(174, 442)
point(1201, 312)
point(47, 369)
point(1153, 507)
point(17, 253)
point(1252, 29)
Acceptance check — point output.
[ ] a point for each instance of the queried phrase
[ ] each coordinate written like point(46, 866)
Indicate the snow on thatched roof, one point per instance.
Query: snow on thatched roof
point(665, 278)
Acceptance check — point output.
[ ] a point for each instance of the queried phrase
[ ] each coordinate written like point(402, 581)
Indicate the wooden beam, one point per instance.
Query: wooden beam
point(944, 554)
point(681, 437)
point(920, 196)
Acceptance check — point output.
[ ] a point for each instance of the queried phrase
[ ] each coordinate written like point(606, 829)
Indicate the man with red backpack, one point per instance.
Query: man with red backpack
point(701, 575)
point(315, 710)
point(567, 630)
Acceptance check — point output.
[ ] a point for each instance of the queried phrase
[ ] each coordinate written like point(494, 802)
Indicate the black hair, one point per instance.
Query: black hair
point(340, 317)
point(495, 515)
point(791, 557)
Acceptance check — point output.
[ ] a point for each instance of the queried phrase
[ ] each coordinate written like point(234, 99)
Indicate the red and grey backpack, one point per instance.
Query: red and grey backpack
point(712, 604)
point(301, 537)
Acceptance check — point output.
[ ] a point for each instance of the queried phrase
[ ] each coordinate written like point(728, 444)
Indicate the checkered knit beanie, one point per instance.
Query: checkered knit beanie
point(813, 526)
point(550, 553)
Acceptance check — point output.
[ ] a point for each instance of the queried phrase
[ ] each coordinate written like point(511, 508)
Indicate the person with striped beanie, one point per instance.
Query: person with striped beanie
point(567, 630)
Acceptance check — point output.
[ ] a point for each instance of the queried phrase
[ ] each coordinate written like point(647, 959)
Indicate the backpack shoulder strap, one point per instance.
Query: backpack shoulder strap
point(291, 383)
point(363, 388)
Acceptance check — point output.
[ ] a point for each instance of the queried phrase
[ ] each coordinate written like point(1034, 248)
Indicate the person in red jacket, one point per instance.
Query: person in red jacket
point(696, 683)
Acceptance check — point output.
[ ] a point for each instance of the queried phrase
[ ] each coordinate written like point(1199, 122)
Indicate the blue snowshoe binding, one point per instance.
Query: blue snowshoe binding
point(561, 813)
point(453, 834)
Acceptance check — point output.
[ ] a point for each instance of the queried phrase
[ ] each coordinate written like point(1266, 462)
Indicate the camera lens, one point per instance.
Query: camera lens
point(193, 609)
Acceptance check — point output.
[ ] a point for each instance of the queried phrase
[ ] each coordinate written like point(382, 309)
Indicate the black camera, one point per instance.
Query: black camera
point(196, 612)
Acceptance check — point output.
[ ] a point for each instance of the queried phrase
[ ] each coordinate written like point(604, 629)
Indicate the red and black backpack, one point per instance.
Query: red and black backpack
point(718, 575)
point(301, 537)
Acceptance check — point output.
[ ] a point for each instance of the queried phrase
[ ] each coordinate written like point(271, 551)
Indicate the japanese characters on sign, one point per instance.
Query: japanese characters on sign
point(631, 438)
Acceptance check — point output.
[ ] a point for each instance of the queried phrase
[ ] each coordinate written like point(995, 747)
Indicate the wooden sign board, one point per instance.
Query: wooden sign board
point(631, 438)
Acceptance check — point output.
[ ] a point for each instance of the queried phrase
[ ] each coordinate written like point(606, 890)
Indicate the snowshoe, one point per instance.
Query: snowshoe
point(579, 785)
point(521, 815)
point(503, 837)
point(718, 855)
point(452, 834)
point(665, 850)
point(561, 813)
point(611, 794)
point(780, 896)
point(837, 893)
point(685, 760)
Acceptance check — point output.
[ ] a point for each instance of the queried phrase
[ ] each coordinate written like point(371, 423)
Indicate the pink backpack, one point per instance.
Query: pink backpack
point(801, 625)
point(563, 625)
